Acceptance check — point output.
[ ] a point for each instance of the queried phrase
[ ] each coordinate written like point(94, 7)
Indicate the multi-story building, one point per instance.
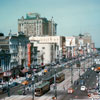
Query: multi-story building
point(4, 62)
point(46, 53)
point(84, 42)
point(4, 54)
point(35, 25)
point(4, 42)
point(18, 49)
point(59, 41)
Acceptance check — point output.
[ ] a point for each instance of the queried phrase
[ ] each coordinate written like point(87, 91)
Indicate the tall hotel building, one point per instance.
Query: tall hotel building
point(35, 25)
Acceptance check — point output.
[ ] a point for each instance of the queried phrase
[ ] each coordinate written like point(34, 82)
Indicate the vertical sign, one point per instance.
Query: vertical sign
point(29, 54)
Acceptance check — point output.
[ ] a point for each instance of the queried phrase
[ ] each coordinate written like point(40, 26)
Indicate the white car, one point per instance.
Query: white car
point(83, 88)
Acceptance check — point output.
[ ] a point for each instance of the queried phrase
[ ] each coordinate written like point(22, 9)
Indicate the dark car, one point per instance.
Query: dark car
point(82, 82)
point(14, 84)
point(3, 89)
point(76, 83)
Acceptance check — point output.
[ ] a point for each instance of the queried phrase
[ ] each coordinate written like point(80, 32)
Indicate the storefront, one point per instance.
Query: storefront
point(6, 76)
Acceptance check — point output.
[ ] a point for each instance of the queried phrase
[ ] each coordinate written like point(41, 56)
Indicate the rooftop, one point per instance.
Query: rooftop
point(42, 84)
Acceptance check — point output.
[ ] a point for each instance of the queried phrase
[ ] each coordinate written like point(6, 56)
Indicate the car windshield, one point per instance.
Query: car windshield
point(82, 86)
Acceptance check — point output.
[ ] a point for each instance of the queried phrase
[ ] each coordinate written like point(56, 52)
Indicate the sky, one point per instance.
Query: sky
point(72, 16)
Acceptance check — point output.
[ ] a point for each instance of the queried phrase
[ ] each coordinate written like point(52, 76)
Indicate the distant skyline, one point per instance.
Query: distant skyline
point(72, 16)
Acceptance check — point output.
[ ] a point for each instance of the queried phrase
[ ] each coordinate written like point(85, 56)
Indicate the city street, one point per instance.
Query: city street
point(63, 86)
point(90, 83)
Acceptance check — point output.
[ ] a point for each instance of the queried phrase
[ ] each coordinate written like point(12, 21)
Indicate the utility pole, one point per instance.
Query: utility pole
point(79, 72)
point(8, 89)
point(84, 66)
point(78, 65)
point(33, 85)
point(55, 85)
point(71, 75)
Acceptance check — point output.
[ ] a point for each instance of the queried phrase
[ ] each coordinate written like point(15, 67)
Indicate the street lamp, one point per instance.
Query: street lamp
point(55, 86)
point(33, 87)
point(32, 84)
point(71, 75)
point(8, 89)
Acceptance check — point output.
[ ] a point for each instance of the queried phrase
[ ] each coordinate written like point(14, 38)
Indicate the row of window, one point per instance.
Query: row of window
point(30, 23)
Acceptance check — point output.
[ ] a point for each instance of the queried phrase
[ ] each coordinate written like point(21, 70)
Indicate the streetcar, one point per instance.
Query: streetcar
point(60, 77)
point(49, 79)
point(42, 88)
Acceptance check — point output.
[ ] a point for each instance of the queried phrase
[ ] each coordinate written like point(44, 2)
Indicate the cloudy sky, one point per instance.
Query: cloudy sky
point(72, 16)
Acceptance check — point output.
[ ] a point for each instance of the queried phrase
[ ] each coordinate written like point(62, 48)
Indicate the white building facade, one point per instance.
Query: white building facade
point(55, 43)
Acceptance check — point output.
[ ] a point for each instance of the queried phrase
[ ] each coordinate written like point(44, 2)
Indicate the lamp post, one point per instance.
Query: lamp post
point(8, 89)
point(33, 87)
point(55, 85)
point(32, 84)
point(84, 66)
point(71, 75)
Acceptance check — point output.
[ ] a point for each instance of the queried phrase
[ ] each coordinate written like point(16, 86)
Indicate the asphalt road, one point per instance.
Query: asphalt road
point(78, 94)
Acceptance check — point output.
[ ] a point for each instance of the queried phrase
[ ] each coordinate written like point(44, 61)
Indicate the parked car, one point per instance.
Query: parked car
point(3, 88)
point(76, 83)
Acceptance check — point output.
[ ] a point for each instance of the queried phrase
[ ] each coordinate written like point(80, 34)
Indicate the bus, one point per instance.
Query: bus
point(42, 88)
point(60, 77)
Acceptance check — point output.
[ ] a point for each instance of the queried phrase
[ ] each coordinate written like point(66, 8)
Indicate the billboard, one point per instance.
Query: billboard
point(70, 41)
